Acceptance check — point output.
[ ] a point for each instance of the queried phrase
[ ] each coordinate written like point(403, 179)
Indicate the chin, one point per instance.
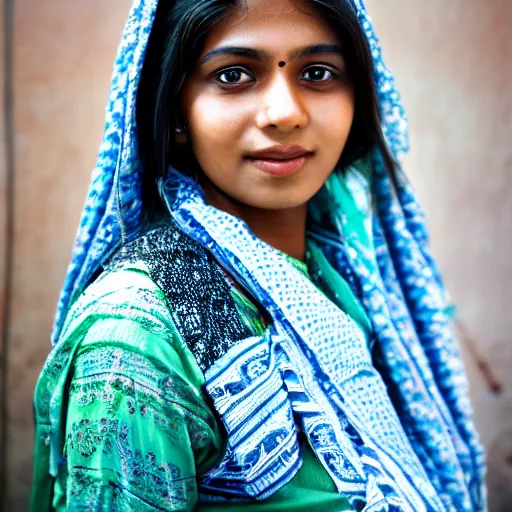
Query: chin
point(280, 201)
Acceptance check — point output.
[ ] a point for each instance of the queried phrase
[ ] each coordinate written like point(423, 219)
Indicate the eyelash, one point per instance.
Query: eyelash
point(242, 70)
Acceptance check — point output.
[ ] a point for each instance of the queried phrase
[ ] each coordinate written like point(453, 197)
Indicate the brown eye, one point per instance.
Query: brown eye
point(318, 74)
point(232, 76)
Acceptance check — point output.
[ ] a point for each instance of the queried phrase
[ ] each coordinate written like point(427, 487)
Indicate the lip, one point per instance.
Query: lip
point(280, 152)
point(280, 167)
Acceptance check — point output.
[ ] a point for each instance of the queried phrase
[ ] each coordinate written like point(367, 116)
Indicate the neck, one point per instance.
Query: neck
point(283, 229)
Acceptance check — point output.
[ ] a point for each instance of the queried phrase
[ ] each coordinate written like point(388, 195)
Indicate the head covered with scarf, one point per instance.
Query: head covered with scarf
point(427, 408)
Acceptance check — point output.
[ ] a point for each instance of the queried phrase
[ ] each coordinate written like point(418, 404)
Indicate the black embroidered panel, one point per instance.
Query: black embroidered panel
point(196, 290)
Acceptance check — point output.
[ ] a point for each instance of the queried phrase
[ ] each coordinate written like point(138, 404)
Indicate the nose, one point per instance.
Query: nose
point(283, 107)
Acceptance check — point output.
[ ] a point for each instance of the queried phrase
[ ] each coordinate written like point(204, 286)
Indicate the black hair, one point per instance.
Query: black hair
point(177, 38)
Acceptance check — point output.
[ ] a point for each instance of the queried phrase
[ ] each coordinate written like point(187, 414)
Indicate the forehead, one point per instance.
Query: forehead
point(274, 25)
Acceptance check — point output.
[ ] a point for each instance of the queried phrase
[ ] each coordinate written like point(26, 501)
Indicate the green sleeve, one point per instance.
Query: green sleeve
point(136, 427)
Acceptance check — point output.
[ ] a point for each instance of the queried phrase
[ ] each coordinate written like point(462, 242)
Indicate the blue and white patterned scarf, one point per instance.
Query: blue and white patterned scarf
point(400, 438)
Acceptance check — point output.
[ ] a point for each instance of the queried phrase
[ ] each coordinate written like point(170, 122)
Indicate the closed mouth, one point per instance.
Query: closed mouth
point(278, 158)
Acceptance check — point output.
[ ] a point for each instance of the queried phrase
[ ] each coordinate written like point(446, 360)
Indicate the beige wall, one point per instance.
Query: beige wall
point(3, 175)
point(452, 64)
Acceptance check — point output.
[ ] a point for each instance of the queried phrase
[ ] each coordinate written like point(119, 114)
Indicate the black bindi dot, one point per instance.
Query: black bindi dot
point(282, 64)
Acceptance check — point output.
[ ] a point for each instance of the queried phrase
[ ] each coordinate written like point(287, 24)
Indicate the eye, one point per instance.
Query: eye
point(316, 73)
point(232, 76)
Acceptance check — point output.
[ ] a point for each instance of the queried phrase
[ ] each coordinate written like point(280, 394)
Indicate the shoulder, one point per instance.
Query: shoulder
point(120, 329)
point(125, 291)
point(127, 286)
point(123, 310)
point(162, 283)
point(160, 244)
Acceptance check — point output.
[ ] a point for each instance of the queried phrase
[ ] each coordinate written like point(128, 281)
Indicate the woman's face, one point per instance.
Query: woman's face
point(235, 104)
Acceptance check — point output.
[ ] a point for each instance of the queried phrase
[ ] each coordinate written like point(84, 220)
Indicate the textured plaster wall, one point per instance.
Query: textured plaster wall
point(452, 63)
point(3, 170)
point(3, 175)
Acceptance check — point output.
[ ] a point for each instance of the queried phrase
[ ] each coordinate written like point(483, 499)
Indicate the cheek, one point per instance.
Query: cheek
point(215, 122)
point(336, 120)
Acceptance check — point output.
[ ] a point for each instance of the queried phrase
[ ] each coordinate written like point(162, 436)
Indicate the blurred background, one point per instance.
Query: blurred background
point(453, 64)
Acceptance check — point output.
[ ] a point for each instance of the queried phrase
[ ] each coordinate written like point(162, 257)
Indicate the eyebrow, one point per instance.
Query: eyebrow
point(251, 53)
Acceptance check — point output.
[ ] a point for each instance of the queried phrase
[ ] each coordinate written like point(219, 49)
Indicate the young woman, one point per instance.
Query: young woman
point(252, 319)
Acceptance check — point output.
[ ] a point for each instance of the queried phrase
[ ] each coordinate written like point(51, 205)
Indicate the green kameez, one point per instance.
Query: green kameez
point(126, 394)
